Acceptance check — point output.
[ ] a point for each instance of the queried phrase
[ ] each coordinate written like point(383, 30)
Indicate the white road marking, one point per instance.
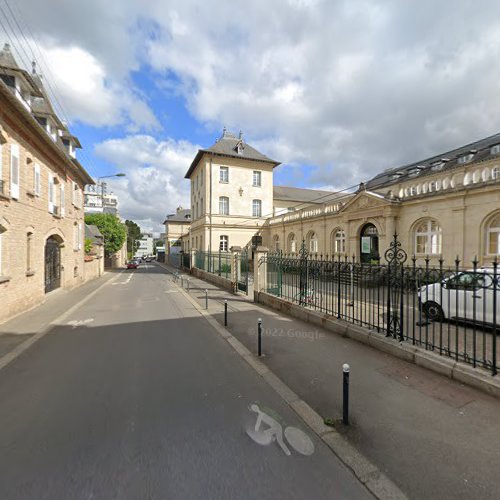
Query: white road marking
point(297, 439)
point(126, 282)
point(79, 322)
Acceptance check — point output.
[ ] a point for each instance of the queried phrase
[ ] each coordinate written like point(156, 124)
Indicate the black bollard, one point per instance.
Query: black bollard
point(259, 334)
point(206, 298)
point(345, 413)
point(225, 313)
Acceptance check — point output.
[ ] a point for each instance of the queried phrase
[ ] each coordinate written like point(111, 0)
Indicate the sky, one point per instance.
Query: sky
point(335, 90)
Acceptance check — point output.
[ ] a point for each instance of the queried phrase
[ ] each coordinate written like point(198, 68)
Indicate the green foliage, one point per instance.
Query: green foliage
point(111, 228)
point(133, 234)
point(88, 245)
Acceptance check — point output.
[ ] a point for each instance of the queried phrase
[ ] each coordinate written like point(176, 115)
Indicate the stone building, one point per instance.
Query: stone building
point(442, 207)
point(177, 228)
point(41, 194)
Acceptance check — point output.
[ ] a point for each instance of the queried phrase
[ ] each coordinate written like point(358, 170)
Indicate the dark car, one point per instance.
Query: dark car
point(132, 264)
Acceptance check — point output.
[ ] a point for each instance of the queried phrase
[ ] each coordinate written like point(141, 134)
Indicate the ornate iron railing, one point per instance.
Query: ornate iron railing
point(214, 262)
point(450, 310)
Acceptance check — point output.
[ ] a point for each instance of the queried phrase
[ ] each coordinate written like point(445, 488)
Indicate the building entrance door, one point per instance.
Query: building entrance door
point(52, 265)
point(369, 244)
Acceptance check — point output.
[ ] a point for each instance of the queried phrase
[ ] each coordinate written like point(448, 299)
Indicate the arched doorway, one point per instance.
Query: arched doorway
point(368, 244)
point(52, 264)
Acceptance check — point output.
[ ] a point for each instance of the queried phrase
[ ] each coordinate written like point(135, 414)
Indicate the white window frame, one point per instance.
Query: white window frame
point(339, 241)
point(14, 171)
point(223, 243)
point(256, 208)
point(490, 231)
point(223, 205)
point(292, 243)
point(257, 178)
point(224, 175)
point(495, 173)
point(313, 243)
point(433, 239)
point(495, 149)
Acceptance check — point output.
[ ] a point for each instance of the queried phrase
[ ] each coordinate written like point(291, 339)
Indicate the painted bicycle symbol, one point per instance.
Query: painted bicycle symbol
point(267, 429)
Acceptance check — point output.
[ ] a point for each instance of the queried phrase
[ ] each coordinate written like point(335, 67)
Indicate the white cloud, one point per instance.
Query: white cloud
point(154, 184)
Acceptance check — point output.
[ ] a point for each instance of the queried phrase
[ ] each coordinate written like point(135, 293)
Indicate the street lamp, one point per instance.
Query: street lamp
point(102, 185)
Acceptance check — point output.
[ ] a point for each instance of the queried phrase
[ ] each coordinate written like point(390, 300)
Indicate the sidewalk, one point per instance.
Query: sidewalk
point(434, 437)
point(24, 326)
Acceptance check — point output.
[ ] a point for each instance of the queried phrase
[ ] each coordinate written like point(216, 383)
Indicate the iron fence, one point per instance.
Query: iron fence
point(450, 310)
point(186, 260)
point(214, 262)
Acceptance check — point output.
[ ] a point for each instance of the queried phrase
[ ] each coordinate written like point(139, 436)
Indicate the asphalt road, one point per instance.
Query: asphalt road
point(136, 396)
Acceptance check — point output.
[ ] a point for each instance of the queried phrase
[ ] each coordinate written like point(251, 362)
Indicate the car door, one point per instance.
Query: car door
point(467, 296)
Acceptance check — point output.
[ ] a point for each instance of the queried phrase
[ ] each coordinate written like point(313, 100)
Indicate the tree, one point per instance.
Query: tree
point(134, 233)
point(111, 228)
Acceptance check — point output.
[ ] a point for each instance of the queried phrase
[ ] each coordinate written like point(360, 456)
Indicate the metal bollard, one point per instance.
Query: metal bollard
point(225, 312)
point(345, 412)
point(182, 282)
point(188, 284)
point(259, 334)
point(206, 298)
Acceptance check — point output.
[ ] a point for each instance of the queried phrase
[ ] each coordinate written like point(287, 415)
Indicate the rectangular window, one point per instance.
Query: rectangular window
point(75, 237)
point(37, 181)
point(224, 174)
point(80, 236)
point(257, 208)
point(14, 171)
point(223, 243)
point(257, 176)
point(224, 205)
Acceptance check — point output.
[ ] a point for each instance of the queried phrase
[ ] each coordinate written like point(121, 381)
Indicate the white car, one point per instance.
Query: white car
point(468, 295)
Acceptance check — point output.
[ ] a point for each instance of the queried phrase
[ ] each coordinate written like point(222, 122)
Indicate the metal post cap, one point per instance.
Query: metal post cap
point(259, 320)
point(346, 368)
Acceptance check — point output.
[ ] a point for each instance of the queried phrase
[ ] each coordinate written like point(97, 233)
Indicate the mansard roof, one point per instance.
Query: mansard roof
point(480, 150)
point(231, 146)
point(8, 62)
point(286, 193)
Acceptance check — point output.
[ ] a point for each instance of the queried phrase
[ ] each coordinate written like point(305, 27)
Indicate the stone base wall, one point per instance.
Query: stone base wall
point(213, 278)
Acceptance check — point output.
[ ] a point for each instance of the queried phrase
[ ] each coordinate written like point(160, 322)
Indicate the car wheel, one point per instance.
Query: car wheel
point(433, 311)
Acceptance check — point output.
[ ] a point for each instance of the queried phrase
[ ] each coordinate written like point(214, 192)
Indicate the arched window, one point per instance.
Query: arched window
point(493, 236)
point(338, 241)
point(223, 205)
point(292, 243)
point(312, 242)
point(276, 243)
point(495, 173)
point(428, 238)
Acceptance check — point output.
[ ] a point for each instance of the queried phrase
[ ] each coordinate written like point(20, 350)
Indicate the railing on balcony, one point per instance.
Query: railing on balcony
point(306, 213)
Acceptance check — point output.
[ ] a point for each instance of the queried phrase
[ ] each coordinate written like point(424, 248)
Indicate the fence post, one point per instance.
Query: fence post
point(192, 262)
point(235, 268)
point(260, 271)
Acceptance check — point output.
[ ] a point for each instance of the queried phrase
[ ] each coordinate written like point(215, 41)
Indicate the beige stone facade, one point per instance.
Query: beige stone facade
point(444, 207)
point(41, 209)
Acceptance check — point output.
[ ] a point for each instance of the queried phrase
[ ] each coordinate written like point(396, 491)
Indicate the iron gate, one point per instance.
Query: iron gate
point(52, 265)
point(242, 270)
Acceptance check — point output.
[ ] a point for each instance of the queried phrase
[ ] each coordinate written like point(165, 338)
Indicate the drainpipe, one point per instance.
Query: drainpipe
point(210, 209)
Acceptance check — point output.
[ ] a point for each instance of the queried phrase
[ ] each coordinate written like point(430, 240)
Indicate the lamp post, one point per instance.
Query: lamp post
point(102, 185)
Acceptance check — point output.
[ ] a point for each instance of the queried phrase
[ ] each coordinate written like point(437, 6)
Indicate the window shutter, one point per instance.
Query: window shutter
point(37, 179)
point(79, 236)
point(51, 194)
point(63, 201)
point(14, 171)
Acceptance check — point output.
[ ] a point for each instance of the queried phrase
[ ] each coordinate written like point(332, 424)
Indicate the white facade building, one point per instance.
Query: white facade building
point(145, 246)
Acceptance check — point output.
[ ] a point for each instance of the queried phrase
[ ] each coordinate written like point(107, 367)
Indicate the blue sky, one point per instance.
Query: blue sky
point(335, 90)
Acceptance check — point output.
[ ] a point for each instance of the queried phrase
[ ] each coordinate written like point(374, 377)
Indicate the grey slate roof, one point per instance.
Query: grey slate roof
point(92, 232)
point(480, 149)
point(180, 216)
point(231, 146)
point(285, 193)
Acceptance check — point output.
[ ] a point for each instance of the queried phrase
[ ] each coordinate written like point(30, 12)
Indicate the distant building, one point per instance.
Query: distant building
point(98, 200)
point(146, 245)
point(177, 227)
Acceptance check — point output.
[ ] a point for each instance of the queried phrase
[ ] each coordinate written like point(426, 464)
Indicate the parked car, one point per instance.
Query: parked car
point(149, 259)
point(132, 264)
point(467, 295)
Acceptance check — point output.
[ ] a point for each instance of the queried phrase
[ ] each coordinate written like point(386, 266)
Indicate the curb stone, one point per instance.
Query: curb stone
point(377, 483)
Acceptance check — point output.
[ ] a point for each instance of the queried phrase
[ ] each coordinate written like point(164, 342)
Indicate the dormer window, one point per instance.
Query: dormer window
point(396, 175)
point(414, 172)
point(239, 148)
point(436, 166)
point(9, 80)
point(495, 149)
point(465, 158)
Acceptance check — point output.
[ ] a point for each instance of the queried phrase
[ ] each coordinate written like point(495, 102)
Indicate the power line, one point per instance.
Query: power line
point(53, 93)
